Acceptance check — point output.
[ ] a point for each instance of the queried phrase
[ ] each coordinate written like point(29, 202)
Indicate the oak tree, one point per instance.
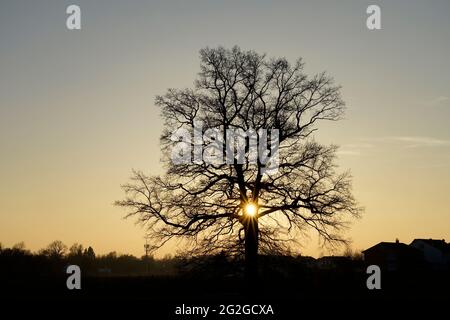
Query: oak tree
point(207, 203)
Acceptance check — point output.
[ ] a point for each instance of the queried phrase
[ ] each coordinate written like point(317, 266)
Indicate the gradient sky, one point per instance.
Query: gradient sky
point(77, 107)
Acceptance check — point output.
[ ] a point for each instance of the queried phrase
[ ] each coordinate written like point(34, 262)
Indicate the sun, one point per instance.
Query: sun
point(250, 209)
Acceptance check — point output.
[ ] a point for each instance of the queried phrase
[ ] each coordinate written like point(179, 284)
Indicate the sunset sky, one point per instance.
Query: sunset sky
point(77, 107)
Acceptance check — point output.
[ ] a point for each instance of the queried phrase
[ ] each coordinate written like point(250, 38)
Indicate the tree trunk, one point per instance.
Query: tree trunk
point(251, 249)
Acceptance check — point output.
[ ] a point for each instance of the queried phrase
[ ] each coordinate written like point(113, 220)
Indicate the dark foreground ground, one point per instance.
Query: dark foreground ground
point(323, 291)
point(286, 288)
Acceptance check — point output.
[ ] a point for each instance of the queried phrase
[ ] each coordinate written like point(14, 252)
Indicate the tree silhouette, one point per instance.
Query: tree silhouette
point(205, 202)
point(76, 250)
point(55, 249)
point(20, 246)
point(89, 253)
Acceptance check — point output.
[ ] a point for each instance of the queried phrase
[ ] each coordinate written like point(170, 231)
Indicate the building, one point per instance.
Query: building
point(435, 252)
point(393, 256)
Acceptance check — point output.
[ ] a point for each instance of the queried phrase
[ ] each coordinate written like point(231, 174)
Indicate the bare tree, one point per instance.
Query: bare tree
point(206, 203)
point(20, 246)
point(56, 249)
point(76, 250)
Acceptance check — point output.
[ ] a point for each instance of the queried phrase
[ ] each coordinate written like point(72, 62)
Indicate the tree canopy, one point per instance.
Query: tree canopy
point(205, 202)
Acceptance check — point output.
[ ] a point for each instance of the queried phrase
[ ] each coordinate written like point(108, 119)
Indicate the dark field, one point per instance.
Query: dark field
point(286, 285)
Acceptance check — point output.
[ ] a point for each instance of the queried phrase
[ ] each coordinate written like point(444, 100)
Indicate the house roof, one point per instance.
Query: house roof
point(438, 244)
point(389, 245)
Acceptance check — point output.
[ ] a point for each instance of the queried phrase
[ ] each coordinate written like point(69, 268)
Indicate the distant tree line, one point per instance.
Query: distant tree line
point(52, 260)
